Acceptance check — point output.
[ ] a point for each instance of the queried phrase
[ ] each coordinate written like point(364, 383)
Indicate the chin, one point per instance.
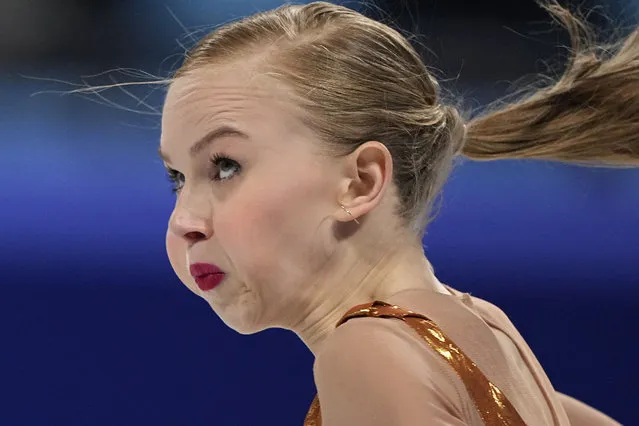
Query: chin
point(246, 331)
point(238, 319)
point(242, 327)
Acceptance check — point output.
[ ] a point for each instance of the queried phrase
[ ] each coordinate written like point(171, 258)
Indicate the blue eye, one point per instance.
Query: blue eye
point(222, 165)
point(224, 168)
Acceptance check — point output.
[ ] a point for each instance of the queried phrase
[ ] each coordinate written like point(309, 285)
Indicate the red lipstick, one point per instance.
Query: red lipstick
point(207, 276)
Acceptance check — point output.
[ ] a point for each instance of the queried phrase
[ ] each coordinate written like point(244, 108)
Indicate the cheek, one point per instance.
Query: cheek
point(245, 231)
point(176, 251)
point(269, 233)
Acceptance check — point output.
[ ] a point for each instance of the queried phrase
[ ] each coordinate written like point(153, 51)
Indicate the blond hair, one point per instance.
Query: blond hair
point(357, 79)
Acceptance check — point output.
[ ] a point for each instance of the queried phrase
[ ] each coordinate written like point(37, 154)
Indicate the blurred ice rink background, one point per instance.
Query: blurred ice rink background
point(95, 329)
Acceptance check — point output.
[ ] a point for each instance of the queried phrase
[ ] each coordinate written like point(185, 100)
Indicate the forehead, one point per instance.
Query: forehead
point(225, 92)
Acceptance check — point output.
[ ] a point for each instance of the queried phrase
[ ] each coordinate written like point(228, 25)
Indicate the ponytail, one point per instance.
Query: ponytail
point(589, 116)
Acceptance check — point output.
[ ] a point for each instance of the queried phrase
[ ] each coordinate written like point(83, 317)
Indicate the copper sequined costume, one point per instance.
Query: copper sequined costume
point(474, 367)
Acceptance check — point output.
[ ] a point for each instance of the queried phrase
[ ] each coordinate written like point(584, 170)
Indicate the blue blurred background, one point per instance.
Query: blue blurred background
point(95, 329)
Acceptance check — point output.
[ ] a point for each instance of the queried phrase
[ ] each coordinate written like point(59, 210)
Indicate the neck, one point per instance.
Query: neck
point(363, 279)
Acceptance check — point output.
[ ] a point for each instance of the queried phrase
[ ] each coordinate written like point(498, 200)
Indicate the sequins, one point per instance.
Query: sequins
point(492, 405)
point(313, 417)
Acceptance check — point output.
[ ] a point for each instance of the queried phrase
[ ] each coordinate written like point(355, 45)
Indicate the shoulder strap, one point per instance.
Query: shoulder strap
point(493, 406)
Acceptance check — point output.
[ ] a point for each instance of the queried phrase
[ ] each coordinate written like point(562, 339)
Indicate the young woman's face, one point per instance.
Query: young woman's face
point(254, 198)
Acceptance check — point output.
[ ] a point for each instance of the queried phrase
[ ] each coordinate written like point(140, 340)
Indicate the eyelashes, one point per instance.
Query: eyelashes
point(220, 160)
point(219, 164)
point(176, 178)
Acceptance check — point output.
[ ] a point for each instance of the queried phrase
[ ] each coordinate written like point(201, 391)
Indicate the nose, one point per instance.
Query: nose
point(191, 220)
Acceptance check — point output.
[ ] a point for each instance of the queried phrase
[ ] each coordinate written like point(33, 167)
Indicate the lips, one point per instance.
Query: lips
point(207, 276)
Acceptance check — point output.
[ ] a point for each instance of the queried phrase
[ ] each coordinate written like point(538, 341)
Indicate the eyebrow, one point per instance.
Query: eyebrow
point(208, 139)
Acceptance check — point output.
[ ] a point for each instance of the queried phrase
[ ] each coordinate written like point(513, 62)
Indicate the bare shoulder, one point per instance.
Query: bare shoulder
point(374, 369)
point(369, 341)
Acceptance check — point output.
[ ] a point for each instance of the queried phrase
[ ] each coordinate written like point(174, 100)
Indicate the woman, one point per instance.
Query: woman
point(306, 145)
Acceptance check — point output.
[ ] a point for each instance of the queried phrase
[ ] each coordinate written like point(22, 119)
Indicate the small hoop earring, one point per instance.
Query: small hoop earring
point(351, 214)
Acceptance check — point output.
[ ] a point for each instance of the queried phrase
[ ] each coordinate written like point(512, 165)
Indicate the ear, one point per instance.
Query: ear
point(368, 173)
